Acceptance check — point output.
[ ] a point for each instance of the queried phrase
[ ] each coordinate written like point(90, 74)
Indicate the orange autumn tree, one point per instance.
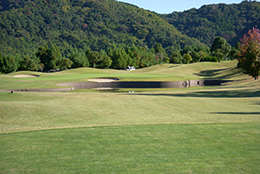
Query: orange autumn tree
point(249, 57)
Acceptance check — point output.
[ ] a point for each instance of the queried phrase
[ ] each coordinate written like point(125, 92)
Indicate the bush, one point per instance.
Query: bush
point(8, 64)
point(28, 64)
point(210, 59)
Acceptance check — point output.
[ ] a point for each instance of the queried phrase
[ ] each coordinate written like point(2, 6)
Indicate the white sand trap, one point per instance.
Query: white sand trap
point(104, 89)
point(26, 76)
point(101, 80)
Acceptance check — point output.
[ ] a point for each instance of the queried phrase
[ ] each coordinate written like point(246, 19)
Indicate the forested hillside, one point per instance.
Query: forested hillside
point(229, 21)
point(97, 24)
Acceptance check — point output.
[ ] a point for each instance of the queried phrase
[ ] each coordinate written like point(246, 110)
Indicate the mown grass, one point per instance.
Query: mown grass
point(32, 111)
point(187, 130)
point(206, 148)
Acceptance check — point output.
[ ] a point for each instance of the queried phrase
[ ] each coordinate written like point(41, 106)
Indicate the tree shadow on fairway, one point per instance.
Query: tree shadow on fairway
point(214, 74)
point(213, 94)
point(237, 113)
point(210, 73)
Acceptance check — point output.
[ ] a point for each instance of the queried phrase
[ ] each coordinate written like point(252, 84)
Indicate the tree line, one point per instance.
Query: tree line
point(97, 24)
point(49, 57)
point(230, 21)
point(247, 52)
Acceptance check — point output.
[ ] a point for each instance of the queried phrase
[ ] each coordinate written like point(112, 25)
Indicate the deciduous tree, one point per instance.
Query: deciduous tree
point(8, 64)
point(176, 57)
point(220, 48)
point(160, 51)
point(65, 63)
point(49, 57)
point(187, 58)
point(93, 57)
point(105, 59)
point(27, 64)
point(249, 57)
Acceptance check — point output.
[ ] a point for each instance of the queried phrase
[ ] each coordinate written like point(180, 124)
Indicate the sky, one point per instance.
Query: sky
point(168, 6)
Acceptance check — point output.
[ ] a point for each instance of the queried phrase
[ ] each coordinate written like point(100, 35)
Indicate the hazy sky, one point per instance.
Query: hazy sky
point(168, 6)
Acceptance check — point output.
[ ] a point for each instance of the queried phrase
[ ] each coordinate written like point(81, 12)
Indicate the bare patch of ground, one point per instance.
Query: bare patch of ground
point(102, 80)
point(26, 76)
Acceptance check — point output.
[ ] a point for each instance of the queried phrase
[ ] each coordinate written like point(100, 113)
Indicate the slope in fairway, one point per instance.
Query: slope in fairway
point(191, 130)
point(164, 72)
point(33, 111)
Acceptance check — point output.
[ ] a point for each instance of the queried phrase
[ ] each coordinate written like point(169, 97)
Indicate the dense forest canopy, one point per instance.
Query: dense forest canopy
point(97, 24)
point(59, 34)
point(208, 22)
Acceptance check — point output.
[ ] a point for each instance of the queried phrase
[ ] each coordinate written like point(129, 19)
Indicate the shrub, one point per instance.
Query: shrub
point(210, 59)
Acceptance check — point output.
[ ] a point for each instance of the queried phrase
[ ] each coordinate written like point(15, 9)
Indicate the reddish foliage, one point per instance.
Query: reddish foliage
point(157, 57)
point(249, 58)
point(85, 26)
point(57, 21)
point(249, 39)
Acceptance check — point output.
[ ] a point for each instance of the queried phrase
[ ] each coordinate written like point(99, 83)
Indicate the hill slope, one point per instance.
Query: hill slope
point(96, 24)
point(163, 72)
point(229, 21)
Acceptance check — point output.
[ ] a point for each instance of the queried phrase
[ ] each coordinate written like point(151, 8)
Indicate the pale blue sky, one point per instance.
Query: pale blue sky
point(168, 6)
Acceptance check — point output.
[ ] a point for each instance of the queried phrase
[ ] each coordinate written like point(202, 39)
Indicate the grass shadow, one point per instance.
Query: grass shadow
point(216, 74)
point(214, 94)
point(210, 73)
point(237, 113)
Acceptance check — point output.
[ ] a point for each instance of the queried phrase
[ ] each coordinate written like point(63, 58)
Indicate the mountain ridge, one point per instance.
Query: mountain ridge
point(25, 25)
point(230, 21)
point(83, 23)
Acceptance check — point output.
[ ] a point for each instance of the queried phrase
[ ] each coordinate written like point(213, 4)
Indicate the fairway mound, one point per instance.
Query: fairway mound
point(26, 76)
point(103, 80)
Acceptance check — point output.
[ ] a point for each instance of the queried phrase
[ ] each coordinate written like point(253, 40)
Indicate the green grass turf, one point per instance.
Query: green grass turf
point(163, 72)
point(22, 111)
point(206, 148)
point(186, 130)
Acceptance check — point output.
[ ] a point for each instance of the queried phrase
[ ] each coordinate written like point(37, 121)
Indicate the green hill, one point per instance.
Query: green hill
point(205, 24)
point(25, 25)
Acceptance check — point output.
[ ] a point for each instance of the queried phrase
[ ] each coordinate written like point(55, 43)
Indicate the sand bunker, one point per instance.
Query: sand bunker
point(26, 76)
point(102, 80)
